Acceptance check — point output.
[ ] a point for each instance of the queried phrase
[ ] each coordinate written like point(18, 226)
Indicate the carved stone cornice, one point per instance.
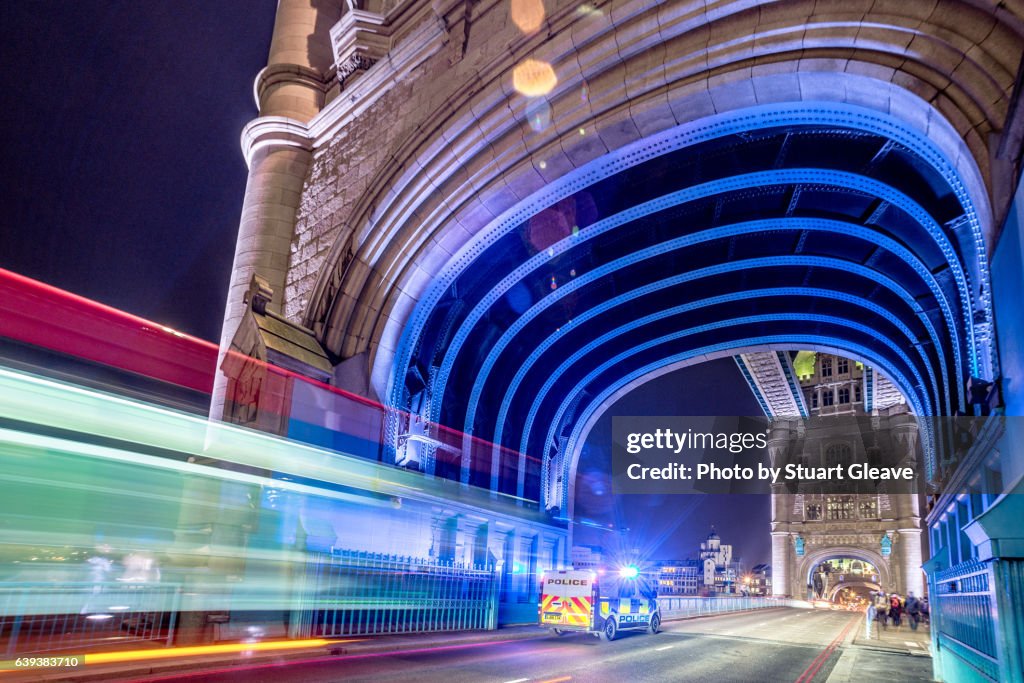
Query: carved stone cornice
point(359, 40)
point(356, 62)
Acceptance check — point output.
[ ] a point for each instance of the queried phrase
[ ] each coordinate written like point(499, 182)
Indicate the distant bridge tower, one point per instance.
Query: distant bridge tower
point(825, 538)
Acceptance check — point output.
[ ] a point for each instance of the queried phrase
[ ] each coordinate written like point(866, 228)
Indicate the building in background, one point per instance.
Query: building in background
point(587, 556)
point(720, 572)
point(679, 577)
point(714, 571)
point(759, 580)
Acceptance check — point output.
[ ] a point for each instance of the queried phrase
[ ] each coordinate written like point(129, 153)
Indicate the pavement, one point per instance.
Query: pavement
point(788, 645)
point(892, 653)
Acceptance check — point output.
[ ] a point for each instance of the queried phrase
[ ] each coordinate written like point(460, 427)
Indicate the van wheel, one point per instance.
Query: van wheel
point(655, 624)
point(610, 630)
point(559, 632)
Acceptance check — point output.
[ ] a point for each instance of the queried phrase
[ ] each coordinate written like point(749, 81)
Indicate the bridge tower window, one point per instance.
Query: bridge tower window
point(869, 509)
point(839, 508)
point(837, 454)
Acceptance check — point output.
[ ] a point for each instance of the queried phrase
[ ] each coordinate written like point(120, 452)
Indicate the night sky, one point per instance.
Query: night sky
point(124, 176)
point(670, 527)
point(125, 183)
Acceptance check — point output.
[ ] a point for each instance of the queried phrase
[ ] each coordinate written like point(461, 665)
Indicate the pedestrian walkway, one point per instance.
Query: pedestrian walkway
point(899, 653)
point(902, 638)
point(858, 664)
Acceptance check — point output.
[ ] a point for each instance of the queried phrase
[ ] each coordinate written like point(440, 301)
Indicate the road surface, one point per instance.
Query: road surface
point(788, 645)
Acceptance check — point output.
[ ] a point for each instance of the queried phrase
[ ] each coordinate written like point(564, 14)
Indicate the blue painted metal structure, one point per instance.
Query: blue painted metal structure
point(823, 222)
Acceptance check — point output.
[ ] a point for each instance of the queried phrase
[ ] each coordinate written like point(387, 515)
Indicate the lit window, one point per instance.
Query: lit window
point(868, 509)
point(839, 507)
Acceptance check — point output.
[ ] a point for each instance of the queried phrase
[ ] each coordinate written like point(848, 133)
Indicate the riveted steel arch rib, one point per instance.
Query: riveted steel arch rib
point(780, 340)
point(759, 179)
point(540, 349)
point(810, 224)
point(734, 322)
point(676, 138)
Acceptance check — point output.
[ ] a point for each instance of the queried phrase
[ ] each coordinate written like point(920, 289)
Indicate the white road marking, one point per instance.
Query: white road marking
point(910, 644)
point(659, 649)
point(518, 680)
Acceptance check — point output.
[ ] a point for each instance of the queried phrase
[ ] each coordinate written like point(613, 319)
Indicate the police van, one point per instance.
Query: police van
point(603, 604)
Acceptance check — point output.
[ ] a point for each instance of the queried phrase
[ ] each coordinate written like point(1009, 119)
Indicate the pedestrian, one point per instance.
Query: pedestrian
point(913, 610)
point(925, 612)
point(881, 610)
point(868, 618)
point(895, 609)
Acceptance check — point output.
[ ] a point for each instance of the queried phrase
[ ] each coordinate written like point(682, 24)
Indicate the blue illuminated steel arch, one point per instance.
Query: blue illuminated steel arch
point(837, 179)
point(781, 260)
point(710, 301)
point(733, 322)
point(789, 340)
point(804, 113)
point(791, 224)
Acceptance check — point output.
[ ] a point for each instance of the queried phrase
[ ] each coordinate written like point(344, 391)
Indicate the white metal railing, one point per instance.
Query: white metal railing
point(680, 607)
point(47, 617)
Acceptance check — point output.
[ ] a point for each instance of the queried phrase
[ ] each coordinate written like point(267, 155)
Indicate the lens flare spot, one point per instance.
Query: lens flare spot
point(534, 78)
point(527, 15)
point(538, 114)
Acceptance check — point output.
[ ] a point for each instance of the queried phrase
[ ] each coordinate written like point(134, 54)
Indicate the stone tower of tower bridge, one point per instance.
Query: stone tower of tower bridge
point(815, 528)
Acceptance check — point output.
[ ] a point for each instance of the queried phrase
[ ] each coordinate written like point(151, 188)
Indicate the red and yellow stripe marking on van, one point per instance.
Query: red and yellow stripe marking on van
point(566, 611)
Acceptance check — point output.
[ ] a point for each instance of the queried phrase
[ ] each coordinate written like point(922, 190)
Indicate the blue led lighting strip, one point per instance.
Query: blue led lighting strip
point(796, 224)
point(794, 385)
point(541, 348)
point(753, 118)
point(734, 322)
point(869, 390)
point(851, 350)
point(829, 179)
point(747, 181)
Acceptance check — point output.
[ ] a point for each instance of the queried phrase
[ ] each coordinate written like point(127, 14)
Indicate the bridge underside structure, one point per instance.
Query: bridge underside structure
point(497, 217)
